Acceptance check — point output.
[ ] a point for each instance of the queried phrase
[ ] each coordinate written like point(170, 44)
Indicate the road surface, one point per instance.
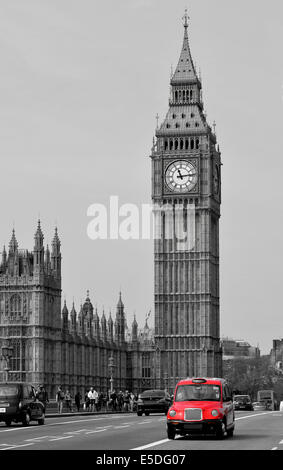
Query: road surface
point(254, 431)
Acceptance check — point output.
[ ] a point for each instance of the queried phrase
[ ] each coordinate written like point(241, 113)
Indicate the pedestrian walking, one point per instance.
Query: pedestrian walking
point(113, 398)
point(126, 401)
point(93, 396)
point(78, 398)
point(132, 401)
point(68, 399)
point(60, 396)
point(42, 396)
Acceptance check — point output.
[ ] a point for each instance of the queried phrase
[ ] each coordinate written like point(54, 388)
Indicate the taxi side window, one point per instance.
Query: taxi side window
point(226, 393)
point(28, 392)
point(25, 392)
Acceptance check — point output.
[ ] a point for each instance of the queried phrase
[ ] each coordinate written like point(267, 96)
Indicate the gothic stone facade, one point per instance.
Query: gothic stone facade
point(65, 348)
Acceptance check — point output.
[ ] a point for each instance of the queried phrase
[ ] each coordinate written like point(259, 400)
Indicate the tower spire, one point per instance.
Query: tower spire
point(185, 71)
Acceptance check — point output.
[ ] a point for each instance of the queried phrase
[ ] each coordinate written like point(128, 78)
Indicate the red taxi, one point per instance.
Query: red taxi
point(203, 406)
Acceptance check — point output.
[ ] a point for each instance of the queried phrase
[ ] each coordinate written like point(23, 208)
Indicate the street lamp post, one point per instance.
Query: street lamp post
point(7, 353)
point(111, 369)
point(166, 381)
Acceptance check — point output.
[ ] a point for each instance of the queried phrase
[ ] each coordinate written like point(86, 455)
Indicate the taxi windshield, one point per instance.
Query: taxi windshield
point(198, 392)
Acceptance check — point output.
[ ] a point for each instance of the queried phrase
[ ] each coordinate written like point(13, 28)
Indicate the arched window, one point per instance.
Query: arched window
point(176, 144)
point(187, 144)
point(197, 143)
point(181, 144)
point(15, 306)
point(166, 144)
point(192, 144)
point(17, 361)
point(171, 144)
point(146, 370)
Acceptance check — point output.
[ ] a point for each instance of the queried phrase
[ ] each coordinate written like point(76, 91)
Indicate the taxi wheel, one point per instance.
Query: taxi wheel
point(139, 413)
point(171, 434)
point(41, 420)
point(8, 422)
point(221, 431)
point(26, 419)
point(230, 432)
point(146, 413)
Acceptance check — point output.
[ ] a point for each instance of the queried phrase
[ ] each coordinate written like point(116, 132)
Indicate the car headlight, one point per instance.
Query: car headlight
point(172, 413)
point(214, 413)
point(20, 405)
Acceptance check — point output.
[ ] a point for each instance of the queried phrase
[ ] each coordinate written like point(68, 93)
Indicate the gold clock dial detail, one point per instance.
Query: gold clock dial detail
point(181, 176)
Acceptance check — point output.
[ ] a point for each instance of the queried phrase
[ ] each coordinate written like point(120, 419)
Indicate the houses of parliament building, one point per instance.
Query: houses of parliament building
point(75, 346)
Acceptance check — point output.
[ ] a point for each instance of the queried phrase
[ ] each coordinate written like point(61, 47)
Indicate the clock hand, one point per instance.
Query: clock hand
point(180, 175)
point(189, 174)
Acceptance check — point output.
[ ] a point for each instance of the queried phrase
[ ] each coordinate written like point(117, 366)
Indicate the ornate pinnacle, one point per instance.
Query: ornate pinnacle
point(185, 19)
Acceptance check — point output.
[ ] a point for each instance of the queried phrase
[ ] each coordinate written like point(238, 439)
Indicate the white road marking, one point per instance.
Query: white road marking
point(120, 427)
point(37, 438)
point(76, 432)
point(145, 422)
point(151, 444)
point(12, 446)
point(60, 438)
point(281, 442)
point(274, 448)
point(252, 416)
point(96, 430)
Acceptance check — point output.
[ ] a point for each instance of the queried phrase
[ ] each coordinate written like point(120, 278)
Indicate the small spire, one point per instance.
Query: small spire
point(13, 245)
point(185, 19)
point(157, 121)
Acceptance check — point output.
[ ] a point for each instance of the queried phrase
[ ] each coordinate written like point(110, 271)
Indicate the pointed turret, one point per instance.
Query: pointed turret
point(65, 313)
point(13, 245)
point(96, 325)
point(120, 322)
point(56, 254)
point(110, 327)
point(81, 326)
point(13, 257)
point(134, 330)
point(4, 258)
point(103, 327)
point(88, 315)
point(38, 251)
point(47, 262)
point(73, 317)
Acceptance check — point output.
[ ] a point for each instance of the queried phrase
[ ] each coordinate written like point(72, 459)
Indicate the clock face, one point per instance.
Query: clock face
point(181, 176)
point(216, 179)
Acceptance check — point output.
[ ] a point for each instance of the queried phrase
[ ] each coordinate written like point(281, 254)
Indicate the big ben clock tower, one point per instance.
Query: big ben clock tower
point(186, 174)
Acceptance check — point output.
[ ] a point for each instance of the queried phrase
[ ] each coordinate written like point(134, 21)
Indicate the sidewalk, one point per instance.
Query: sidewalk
point(51, 411)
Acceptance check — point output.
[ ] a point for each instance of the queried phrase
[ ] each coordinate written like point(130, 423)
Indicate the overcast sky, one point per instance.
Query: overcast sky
point(80, 85)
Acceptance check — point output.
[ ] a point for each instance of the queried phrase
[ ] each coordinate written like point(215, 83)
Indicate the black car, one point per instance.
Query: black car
point(153, 401)
point(242, 402)
point(18, 403)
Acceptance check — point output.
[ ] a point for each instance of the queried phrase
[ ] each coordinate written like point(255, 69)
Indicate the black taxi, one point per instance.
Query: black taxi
point(18, 404)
